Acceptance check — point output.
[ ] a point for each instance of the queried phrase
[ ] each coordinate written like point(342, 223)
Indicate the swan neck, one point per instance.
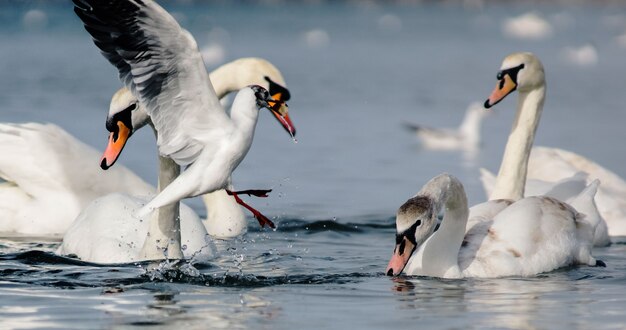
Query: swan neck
point(440, 251)
point(163, 240)
point(223, 80)
point(511, 178)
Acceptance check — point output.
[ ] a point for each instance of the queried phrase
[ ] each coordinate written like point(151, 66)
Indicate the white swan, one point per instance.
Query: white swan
point(524, 72)
point(160, 63)
point(465, 137)
point(58, 169)
point(553, 164)
point(50, 176)
point(525, 238)
point(105, 232)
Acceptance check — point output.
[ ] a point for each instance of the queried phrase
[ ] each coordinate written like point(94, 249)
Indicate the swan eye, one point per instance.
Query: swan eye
point(131, 107)
point(418, 223)
point(512, 73)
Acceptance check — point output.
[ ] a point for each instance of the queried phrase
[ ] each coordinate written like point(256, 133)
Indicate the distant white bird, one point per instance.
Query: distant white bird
point(465, 137)
point(502, 238)
point(527, 26)
point(585, 55)
point(160, 63)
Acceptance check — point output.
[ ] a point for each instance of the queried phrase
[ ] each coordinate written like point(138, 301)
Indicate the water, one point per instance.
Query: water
point(362, 71)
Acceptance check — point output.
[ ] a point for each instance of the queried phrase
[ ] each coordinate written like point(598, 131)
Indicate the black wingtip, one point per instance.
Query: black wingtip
point(411, 127)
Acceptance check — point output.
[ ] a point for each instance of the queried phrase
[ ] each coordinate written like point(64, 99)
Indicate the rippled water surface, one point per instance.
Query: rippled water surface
point(356, 74)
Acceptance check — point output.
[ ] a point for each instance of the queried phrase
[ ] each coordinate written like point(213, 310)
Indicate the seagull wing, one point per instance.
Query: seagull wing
point(160, 63)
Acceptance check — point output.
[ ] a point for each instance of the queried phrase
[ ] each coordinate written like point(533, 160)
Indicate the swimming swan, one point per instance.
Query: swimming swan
point(524, 72)
point(551, 167)
point(465, 137)
point(523, 238)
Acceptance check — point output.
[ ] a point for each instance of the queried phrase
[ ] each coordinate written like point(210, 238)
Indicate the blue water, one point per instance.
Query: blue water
point(337, 189)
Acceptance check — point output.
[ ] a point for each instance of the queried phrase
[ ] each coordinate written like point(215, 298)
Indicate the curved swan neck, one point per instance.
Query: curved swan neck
point(243, 72)
point(163, 240)
point(439, 253)
point(514, 167)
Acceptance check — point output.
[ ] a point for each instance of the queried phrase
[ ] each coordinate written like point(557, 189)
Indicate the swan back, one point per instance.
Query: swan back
point(533, 235)
point(106, 232)
point(46, 167)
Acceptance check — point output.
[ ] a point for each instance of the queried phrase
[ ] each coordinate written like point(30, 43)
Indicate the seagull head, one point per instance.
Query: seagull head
point(278, 107)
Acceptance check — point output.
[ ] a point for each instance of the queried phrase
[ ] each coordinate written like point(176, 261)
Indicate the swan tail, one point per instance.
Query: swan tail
point(570, 187)
point(589, 224)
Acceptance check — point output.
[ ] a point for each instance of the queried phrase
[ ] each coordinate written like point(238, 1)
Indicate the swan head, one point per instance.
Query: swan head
point(125, 117)
point(519, 71)
point(277, 107)
point(416, 220)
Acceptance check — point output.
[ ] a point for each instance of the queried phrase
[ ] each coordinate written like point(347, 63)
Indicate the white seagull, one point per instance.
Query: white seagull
point(465, 137)
point(161, 64)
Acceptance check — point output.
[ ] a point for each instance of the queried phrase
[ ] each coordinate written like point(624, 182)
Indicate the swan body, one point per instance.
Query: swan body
point(552, 164)
point(167, 76)
point(524, 72)
point(465, 137)
point(104, 233)
point(50, 177)
point(523, 238)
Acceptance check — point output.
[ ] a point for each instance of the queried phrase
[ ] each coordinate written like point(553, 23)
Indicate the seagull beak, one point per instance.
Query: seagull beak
point(280, 110)
point(505, 86)
point(117, 140)
point(401, 255)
